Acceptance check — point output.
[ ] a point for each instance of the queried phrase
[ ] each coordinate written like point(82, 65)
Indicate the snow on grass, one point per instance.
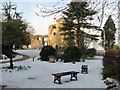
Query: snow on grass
point(8, 59)
point(30, 52)
point(39, 75)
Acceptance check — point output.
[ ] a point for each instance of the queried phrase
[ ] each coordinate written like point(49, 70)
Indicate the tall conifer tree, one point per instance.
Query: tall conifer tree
point(13, 31)
point(76, 20)
point(108, 34)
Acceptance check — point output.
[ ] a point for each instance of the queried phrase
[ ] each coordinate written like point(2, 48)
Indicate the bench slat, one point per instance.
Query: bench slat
point(59, 75)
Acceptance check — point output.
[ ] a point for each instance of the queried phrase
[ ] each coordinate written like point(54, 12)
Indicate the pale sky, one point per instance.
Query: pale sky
point(40, 24)
point(29, 8)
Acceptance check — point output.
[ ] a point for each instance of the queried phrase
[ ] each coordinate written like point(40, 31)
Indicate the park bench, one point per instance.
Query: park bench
point(59, 75)
point(84, 68)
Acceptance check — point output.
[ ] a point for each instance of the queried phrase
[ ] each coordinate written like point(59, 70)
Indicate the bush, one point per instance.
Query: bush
point(111, 63)
point(91, 52)
point(116, 47)
point(47, 51)
point(71, 54)
point(110, 57)
point(109, 72)
point(6, 50)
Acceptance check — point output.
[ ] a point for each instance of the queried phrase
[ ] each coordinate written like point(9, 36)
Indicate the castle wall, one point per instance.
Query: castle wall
point(37, 41)
point(55, 38)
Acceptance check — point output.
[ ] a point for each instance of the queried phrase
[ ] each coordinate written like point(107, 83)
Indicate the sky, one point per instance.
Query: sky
point(29, 8)
point(41, 24)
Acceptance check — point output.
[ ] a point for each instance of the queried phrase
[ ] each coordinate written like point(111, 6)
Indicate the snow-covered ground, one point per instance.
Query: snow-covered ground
point(39, 75)
point(8, 59)
point(31, 52)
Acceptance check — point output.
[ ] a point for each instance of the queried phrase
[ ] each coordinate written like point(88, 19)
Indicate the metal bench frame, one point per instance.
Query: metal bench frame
point(59, 75)
point(84, 68)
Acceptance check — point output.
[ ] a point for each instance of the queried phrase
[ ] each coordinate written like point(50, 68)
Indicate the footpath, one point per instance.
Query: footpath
point(25, 57)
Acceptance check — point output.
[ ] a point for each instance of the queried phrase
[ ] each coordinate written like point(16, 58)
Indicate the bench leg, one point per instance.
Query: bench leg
point(73, 75)
point(58, 78)
point(84, 70)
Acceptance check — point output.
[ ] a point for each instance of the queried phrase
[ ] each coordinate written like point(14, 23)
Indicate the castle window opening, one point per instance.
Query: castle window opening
point(45, 44)
point(56, 46)
point(45, 38)
point(54, 26)
point(38, 38)
point(54, 33)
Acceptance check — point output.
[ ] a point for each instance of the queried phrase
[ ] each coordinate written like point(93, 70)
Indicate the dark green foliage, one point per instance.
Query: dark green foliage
point(116, 47)
point(7, 51)
point(108, 34)
point(111, 84)
point(46, 52)
point(109, 72)
point(71, 54)
point(91, 52)
point(13, 31)
point(109, 58)
point(76, 17)
point(111, 63)
point(16, 68)
point(83, 50)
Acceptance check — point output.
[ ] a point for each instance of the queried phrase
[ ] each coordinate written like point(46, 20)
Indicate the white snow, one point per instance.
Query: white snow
point(8, 59)
point(39, 75)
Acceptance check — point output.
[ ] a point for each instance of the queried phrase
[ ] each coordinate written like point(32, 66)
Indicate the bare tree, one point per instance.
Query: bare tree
point(119, 24)
point(104, 8)
point(30, 28)
point(100, 5)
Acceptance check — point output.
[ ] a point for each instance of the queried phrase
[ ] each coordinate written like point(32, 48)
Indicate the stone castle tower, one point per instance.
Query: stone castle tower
point(55, 38)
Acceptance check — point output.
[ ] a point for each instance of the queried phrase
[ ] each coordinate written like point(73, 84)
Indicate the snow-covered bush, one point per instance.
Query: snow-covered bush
point(71, 54)
point(111, 83)
point(46, 52)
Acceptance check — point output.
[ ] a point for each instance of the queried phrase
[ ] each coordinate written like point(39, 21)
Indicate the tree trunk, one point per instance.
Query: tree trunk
point(11, 63)
point(11, 53)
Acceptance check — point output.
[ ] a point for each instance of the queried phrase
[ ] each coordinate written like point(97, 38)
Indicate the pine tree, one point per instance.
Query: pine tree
point(108, 34)
point(68, 31)
point(76, 20)
point(13, 31)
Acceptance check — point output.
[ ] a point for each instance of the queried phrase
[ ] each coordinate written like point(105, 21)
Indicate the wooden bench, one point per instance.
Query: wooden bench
point(59, 75)
point(84, 69)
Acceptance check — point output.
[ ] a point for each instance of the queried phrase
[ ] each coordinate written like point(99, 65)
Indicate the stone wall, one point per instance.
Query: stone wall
point(38, 41)
point(55, 38)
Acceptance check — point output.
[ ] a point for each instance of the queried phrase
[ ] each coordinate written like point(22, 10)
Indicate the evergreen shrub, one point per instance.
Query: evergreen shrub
point(111, 63)
point(46, 52)
point(6, 51)
point(109, 72)
point(109, 57)
point(91, 52)
point(71, 54)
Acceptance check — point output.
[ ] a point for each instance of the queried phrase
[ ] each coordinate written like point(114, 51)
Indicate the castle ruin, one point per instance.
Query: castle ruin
point(54, 38)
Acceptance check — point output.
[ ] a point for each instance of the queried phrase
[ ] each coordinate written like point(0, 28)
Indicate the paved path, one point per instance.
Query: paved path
point(25, 57)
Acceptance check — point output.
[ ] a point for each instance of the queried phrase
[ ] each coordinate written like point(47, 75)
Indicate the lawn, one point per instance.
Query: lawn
point(39, 73)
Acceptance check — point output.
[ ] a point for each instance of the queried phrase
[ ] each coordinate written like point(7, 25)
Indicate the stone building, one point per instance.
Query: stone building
point(37, 41)
point(55, 38)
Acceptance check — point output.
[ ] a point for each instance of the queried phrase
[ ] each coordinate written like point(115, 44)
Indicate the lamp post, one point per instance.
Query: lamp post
point(33, 57)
